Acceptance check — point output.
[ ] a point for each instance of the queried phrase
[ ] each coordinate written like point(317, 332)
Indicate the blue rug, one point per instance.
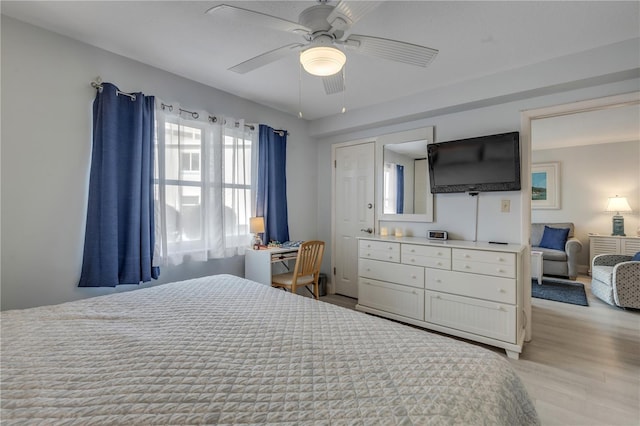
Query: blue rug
point(559, 290)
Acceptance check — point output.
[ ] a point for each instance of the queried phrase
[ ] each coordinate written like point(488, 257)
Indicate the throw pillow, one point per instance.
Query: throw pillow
point(554, 238)
point(636, 257)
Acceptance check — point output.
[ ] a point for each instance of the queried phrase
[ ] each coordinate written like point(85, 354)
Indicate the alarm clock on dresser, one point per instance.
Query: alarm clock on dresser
point(437, 235)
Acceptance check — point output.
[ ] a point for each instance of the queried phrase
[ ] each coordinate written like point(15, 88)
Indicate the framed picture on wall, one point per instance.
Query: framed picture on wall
point(545, 186)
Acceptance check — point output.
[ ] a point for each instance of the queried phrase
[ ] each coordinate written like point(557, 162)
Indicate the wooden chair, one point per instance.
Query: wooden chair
point(306, 271)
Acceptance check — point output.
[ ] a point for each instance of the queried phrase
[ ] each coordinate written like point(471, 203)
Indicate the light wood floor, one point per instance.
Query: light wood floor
point(582, 366)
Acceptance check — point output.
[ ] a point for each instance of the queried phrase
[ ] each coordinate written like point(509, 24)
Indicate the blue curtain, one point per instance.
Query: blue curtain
point(272, 184)
point(119, 239)
point(399, 189)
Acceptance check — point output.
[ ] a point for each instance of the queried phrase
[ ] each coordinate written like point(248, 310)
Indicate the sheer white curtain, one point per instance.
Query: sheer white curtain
point(204, 189)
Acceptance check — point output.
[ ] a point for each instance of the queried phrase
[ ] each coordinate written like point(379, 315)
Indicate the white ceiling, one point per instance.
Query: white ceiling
point(475, 39)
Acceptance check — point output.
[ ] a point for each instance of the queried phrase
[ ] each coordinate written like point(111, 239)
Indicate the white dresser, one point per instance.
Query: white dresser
point(468, 289)
point(612, 244)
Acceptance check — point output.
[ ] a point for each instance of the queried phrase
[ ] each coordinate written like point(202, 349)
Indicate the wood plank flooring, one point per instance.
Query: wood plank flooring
point(582, 366)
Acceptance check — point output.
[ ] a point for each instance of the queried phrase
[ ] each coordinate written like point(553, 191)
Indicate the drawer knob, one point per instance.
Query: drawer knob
point(500, 259)
point(502, 290)
point(413, 277)
point(390, 248)
point(414, 292)
point(413, 260)
point(501, 270)
point(438, 280)
point(439, 253)
point(467, 256)
point(438, 296)
point(368, 270)
point(439, 263)
point(499, 308)
point(467, 267)
point(413, 251)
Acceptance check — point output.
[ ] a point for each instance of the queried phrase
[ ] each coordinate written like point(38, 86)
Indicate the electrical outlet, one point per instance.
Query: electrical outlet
point(505, 206)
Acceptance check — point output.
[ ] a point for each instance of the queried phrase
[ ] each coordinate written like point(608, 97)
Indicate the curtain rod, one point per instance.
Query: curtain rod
point(97, 84)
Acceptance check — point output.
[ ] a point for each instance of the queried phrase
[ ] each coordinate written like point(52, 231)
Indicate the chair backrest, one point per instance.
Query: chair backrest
point(309, 259)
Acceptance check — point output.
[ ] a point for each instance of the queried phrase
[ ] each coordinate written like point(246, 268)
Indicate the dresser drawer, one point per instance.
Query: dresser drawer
point(429, 262)
point(393, 298)
point(497, 257)
point(429, 251)
point(392, 272)
point(494, 263)
point(489, 319)
point(496, 270)
point(379, 250)
point(477, 286)
point(430, 257)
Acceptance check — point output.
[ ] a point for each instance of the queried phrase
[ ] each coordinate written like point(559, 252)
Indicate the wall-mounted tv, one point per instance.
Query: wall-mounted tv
point(486, 163)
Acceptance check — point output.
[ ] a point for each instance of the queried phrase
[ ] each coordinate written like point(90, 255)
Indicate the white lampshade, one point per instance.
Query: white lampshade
point(256, 225)
point(322, 60)
point(618, 204)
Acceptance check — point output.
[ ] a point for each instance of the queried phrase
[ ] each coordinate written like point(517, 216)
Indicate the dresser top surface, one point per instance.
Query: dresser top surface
point(474, 245)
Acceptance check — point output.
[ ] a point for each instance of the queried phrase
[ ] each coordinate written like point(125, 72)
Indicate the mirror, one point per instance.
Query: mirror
point(403, 176)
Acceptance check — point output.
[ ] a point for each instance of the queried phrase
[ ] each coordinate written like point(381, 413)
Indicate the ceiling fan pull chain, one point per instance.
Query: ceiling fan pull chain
point(344, 89)
point(299, 89)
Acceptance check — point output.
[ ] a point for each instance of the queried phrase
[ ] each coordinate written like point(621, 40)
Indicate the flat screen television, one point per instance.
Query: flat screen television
point(485, 163)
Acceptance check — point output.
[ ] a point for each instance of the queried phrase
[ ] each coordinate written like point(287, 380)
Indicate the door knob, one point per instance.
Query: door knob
point(367, 230)
point(369, 206)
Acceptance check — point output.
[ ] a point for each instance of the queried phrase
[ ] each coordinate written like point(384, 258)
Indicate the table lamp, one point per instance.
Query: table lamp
point(618, 204)
point(256, 226)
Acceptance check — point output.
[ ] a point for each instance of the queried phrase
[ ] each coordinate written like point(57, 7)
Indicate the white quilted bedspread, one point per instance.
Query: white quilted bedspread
point(224, 350)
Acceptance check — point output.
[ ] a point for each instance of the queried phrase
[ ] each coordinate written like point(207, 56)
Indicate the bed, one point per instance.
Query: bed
point(225, 350)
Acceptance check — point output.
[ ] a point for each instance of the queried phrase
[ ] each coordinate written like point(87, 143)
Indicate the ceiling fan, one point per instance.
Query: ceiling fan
point(325, 29)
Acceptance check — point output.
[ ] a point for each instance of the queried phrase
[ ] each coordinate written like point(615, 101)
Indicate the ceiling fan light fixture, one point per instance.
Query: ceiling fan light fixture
point(322, 60)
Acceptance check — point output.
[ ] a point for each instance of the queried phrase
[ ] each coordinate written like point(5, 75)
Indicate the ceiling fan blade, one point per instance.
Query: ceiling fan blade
point(351, 10)
point(251, 17)
point(265, 58)
point(392, 50)
point(333, 83)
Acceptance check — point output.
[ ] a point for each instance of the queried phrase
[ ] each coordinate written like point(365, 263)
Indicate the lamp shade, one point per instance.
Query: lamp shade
point(618, 204)
point(322, 60)
point(256, 225)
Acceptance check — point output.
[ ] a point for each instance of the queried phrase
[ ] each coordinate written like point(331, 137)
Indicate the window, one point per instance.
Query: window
point(203, 188)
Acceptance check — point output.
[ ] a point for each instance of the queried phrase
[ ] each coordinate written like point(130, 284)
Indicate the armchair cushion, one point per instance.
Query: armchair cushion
point(554, 238)
point(615, 279)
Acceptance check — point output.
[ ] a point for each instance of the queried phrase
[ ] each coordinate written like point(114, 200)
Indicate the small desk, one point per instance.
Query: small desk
point(260, 265)
point(536, 265)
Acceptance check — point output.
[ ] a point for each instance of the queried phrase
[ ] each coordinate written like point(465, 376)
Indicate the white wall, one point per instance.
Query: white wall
point(46, 144)
point(588, 176)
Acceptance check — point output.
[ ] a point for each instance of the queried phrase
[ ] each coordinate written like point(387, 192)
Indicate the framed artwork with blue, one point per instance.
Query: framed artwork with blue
point(545, 185)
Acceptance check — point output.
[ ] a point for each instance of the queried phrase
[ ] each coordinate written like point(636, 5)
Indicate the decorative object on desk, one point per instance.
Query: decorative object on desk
point(618, 204)
point(559, 290)
point(384, 231)
point(256, 226)
point(398, 232)
point(545, 186)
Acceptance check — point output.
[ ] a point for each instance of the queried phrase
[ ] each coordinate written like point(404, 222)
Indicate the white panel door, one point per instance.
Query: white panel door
point(354, 211)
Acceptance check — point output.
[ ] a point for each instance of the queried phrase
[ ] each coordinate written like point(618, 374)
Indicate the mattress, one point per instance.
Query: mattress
point(225, 350)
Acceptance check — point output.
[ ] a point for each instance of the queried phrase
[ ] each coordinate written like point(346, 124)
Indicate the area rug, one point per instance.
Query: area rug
point(560, 291)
